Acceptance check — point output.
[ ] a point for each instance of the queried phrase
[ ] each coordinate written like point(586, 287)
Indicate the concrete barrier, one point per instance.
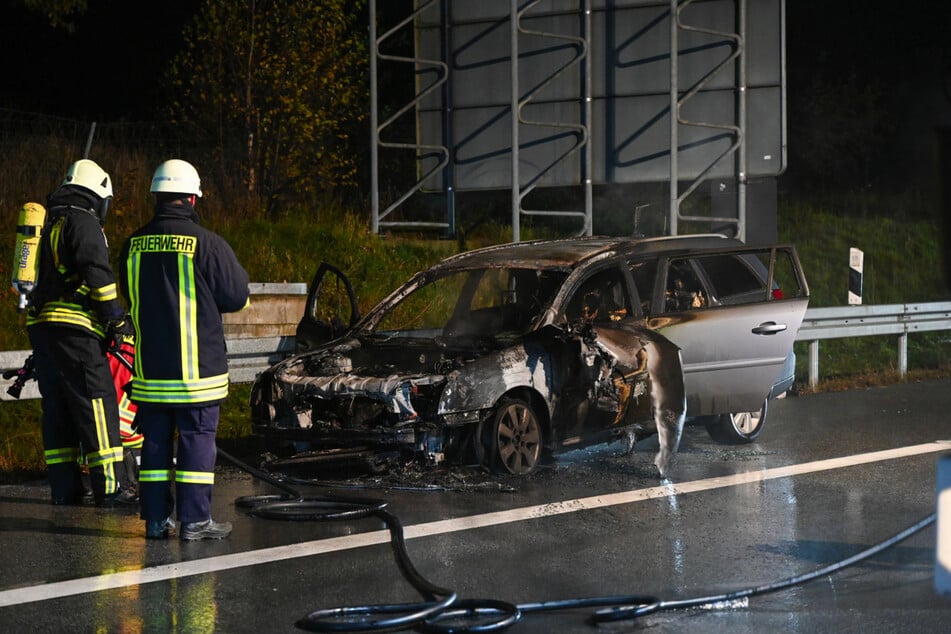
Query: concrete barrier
point(274, 311)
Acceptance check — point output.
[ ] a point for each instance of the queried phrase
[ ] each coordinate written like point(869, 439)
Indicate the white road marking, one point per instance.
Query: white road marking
point(112, 581)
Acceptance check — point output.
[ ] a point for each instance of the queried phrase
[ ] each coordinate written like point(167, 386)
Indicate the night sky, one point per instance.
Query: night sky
point(110, 67)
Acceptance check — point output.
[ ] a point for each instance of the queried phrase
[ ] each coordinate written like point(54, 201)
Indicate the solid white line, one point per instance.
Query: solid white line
point(348, 542)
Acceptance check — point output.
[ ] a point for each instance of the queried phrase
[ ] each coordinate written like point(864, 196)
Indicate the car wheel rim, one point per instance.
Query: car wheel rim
point(519, 439)
point(747, 423)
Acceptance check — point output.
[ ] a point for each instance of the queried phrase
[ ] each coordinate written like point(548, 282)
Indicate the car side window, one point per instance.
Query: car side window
point(744, 277)
point(601, 298)
point(732, 278)
point(684, 291)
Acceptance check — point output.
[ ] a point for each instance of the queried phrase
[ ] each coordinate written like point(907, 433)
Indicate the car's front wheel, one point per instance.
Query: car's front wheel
point(738, 428)
point(510, 441)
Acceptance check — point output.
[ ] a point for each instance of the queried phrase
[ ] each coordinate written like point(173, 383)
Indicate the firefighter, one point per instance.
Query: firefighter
point(178, 279)
point(72, 313)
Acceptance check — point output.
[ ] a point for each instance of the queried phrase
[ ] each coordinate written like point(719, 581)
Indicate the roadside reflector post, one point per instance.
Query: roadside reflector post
point(942, 566)
point(856, 264)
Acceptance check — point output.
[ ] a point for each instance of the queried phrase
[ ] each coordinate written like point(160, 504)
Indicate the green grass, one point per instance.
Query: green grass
point(21, 450)
point(902, 257)
point(902, 264)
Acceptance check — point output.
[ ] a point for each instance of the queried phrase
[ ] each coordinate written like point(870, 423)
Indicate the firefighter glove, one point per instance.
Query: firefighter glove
point(118, 331)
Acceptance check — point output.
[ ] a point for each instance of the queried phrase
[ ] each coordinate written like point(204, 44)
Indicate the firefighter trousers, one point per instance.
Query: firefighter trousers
point(190, 465)
point(80, 411)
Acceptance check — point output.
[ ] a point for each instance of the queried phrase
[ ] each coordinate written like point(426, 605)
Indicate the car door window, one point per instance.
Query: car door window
point(601, 298)
point(732, 278)
point(742, 278)
point(684, 290)
point(331, 309)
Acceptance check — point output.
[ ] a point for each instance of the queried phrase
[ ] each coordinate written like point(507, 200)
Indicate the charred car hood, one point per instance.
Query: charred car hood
point(391, 382)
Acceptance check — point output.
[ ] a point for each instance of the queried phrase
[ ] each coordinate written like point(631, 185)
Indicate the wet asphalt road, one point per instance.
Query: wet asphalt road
point(823, 482)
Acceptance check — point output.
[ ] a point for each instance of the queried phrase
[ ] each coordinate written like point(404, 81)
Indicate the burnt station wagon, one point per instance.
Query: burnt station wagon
point(509, 354)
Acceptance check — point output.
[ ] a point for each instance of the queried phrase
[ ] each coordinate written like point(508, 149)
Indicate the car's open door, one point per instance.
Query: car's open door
point(735, 314)
point(330, 311)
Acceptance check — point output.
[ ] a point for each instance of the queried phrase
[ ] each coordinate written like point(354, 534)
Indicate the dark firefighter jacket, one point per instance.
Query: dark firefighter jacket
point(178, 279)
point(76, 286)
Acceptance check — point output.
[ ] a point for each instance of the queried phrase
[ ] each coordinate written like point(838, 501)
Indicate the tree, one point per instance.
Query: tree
point(60, 13)
point(278, 88)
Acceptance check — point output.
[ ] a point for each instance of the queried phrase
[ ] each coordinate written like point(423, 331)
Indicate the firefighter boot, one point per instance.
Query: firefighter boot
point(128, 473)
point(209, 529)
point(66, 484)
point(121, 497)
point(159, 529)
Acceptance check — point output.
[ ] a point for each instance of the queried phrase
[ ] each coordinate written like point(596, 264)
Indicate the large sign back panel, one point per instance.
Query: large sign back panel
point(629, 87)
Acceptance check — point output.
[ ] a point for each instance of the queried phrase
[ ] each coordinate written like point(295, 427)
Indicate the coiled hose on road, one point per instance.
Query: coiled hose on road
point(442, 610)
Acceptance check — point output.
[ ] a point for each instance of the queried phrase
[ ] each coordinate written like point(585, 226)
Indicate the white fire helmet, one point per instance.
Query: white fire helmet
point(176, 177)
point(88, 175)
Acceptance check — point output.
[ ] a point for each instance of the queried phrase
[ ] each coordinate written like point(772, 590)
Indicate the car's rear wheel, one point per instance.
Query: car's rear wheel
point(510, 441)
point(738, 428)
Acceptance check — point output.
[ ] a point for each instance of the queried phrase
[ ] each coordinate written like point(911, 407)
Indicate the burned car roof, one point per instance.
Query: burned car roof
point(567, 253)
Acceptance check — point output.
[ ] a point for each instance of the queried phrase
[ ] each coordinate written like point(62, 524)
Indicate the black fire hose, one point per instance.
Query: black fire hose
point(294, 506)
point(443, 612)
point(630, 611)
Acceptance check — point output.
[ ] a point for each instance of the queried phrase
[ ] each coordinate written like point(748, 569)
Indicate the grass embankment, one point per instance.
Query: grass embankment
point(902, 264)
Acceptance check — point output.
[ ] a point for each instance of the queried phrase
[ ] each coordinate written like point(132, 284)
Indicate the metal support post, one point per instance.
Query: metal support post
point(902, 354)
point(515, 98)
point(374, 129)
point(813, 363)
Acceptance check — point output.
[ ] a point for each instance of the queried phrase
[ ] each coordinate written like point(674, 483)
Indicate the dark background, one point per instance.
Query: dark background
point(110, 66)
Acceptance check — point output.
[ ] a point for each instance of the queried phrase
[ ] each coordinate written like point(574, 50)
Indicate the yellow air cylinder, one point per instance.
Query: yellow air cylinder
point(26, 254)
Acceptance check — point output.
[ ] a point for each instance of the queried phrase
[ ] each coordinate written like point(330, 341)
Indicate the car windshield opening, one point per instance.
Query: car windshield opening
point(481, 303)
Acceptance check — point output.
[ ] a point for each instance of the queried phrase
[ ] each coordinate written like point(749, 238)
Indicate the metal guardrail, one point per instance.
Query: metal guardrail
point(247, 357)
point(840, 322)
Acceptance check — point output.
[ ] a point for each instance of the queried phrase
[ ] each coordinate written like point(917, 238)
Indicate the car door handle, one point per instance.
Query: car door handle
point(769, 328)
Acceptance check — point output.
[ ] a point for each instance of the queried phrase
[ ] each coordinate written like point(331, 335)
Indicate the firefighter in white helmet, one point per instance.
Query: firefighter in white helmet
point(73, 312)
point(178, 278)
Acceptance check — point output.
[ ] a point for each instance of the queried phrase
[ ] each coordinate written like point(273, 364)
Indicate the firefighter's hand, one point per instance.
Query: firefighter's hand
point(118, 331)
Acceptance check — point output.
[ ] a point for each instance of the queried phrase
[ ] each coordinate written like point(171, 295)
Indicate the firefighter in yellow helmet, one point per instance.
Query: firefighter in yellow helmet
point(72, 312)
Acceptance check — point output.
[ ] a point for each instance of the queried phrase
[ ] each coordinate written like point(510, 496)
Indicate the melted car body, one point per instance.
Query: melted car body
point(511, 353)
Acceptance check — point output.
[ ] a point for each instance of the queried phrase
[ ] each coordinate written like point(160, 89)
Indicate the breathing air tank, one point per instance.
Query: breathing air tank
point(26, 255)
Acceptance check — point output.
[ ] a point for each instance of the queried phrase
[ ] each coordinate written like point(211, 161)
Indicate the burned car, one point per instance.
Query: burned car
point(509, 354)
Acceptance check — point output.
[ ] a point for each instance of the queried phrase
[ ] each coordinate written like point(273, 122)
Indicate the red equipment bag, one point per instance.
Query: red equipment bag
point(121, 376)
